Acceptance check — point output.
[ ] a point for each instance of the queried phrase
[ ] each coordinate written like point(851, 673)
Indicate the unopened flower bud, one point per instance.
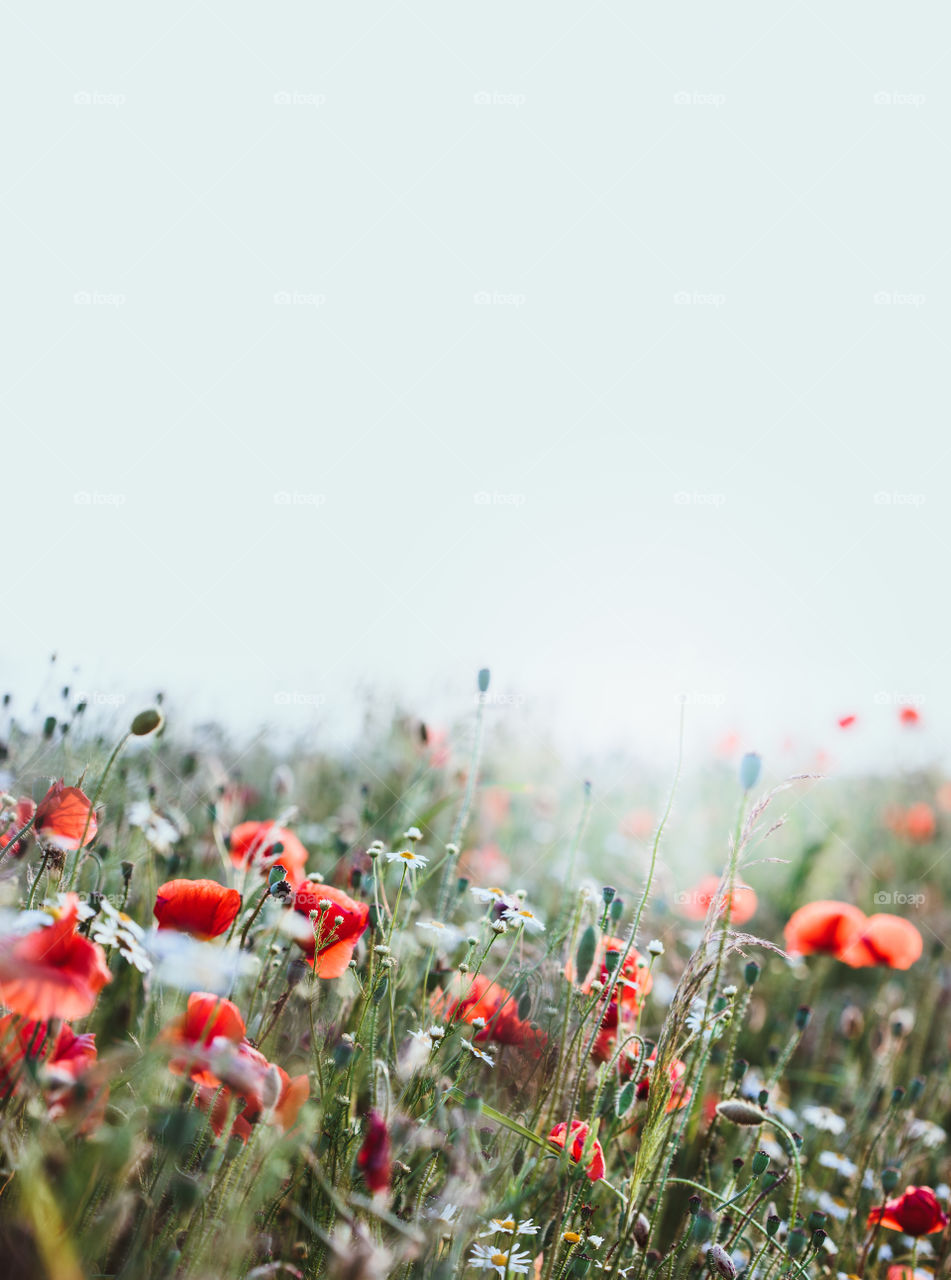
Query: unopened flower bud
point(722, 1261)
point(655, 947)
point(147, 722)
point(739, 1112)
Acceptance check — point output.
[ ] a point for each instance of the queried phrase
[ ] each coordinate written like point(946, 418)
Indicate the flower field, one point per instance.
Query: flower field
point(438, 1007)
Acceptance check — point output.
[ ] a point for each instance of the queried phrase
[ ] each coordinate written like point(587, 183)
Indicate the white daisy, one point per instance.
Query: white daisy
point(487, 1258)
point(490, 895)
point(158, 831)
point(116, 929)
point(448, 1213)
point(824, 1118)
point(479, 1053)
point(836, 1209)
point(408, 857)
point(511, 1226)
point(832, 1160)
point(596, 1241)
point(413, 833)
point(190, 965)
point(523, 916)
point(447, 934)
point(932, 1135)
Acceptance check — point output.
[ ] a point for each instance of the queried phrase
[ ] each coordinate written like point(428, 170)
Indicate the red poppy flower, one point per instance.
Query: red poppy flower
point(19, 1038)
point(202, 908)
point(578, 1137)
point(207, 1019)
point(52, 972)
point(884, 939)
point(243, 1073)
point(846, 722)
point(679, 1092)
point(24, 811)
point(825, 926)
point(471, 999)
point(919, 823)
point(909, 715)
point(262, 845)
point(916, 1212)
point(696, 902)
point(635, 982)
point(72, 1054)
point(331, 949)
point(64, 818)
point(374, 1155)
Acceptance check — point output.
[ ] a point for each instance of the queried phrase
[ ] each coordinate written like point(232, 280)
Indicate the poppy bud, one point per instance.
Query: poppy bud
point(374, 1154)
point(693, 1206)
point(750, 767)
point(722, 1261)
point(739, 1112)
point(897, 1094)
point(740, 1068)
point(642, 1230)
point(916, 1088)
point(772, 1225)
point(584, 956)
point(617, 909)
point(803, 1014)
point(608, 893)
point(484, 676)
point(146, 722)
point(818, 1239)
point(751, 973)
point(625, 1099)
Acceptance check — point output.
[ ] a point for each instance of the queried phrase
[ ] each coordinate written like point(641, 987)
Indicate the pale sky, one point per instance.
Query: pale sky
point(354, 348)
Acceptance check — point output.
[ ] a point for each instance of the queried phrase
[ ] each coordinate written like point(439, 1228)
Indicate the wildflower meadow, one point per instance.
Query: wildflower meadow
point(437, 1007)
